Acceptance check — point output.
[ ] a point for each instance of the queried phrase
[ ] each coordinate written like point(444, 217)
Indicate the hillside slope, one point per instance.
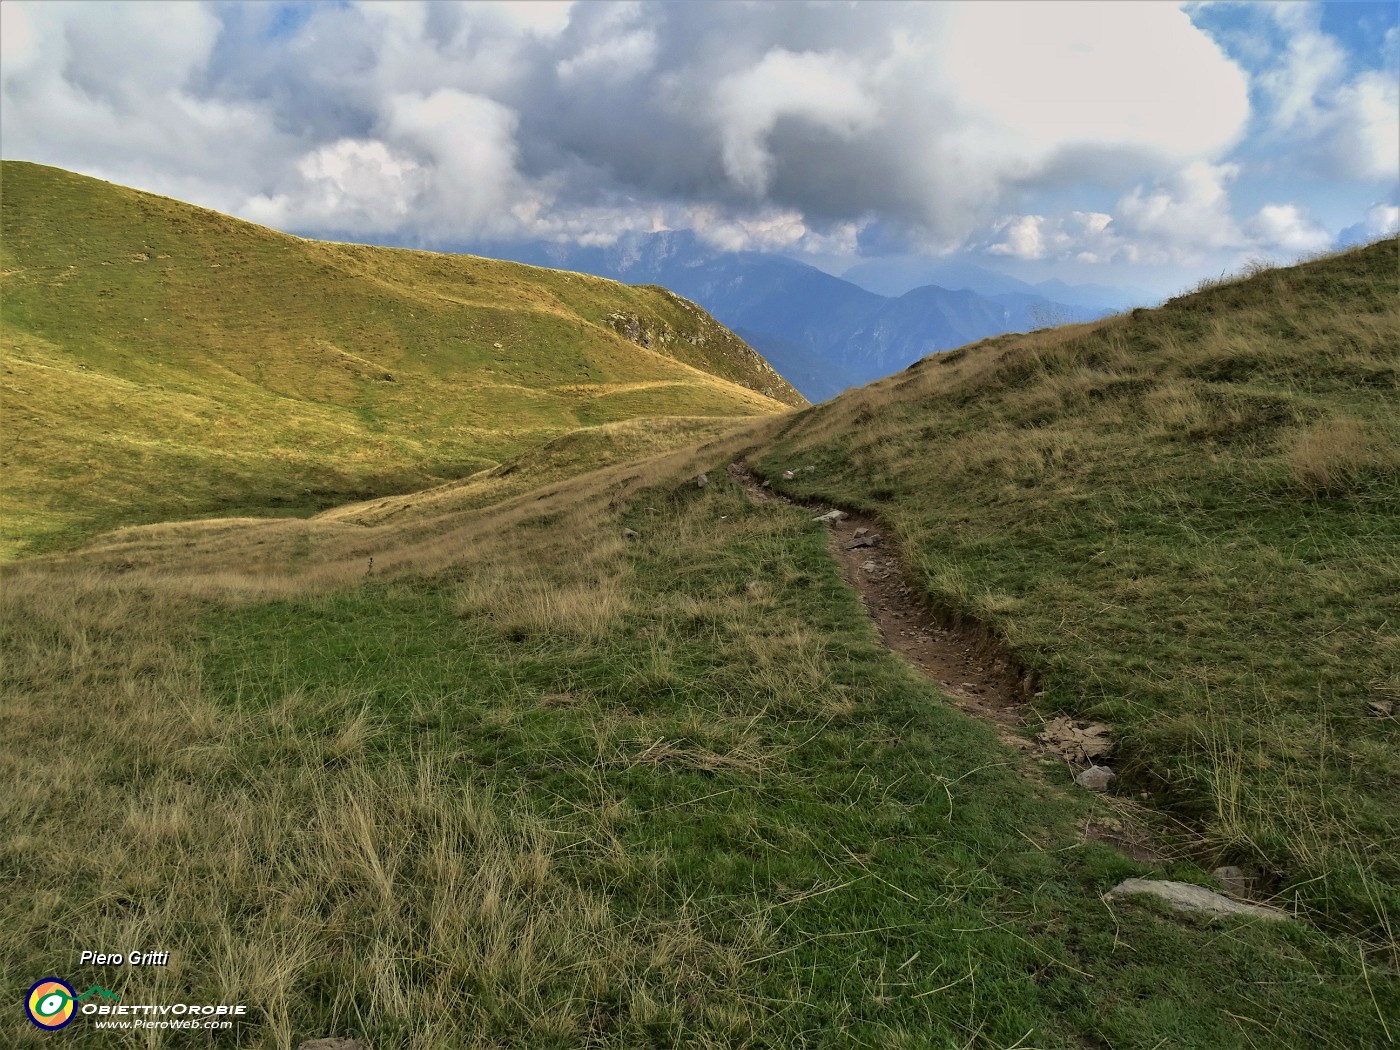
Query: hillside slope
point(1186, 521)
point(163, 361)
point(618, 761)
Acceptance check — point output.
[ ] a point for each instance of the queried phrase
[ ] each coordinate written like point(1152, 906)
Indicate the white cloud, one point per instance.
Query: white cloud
point(1084, 235)
point(353, 185)
point(1286, 228)
point(1383, 220)
point(1334, 122)
point(1137, 75)
point(755, 126)
point(1184, 219)
point(1365, 133)
point(823, 89)
point(1184, 214)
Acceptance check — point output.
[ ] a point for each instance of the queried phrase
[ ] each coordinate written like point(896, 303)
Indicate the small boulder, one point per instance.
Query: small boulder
point(1233, 878)
point(1183, 896)
point(1096, 778)
point(702, 480)
point(870, 539)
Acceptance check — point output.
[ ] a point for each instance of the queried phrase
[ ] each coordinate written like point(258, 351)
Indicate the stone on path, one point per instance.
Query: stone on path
point(1183, 896)
point(831, 516)
point(1096, 778)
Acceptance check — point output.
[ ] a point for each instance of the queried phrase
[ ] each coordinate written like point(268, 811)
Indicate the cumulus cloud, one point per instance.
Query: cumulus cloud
point(1382, 220)
point(1286, 228)
point(1340, 122)
point(752, 122)
point(824, 90)
point(1185, 217)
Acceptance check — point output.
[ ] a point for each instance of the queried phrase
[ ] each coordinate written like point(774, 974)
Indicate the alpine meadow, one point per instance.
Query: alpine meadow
point(430, 651)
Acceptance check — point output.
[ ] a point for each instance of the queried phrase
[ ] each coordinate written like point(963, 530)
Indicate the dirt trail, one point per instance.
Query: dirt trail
point(965, 661)
point(970, 666)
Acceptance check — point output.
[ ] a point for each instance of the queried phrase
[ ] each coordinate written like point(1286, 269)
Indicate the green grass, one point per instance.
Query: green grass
point(526, 781)
point(1185, 521)
point(583, 791)
point(159, 361)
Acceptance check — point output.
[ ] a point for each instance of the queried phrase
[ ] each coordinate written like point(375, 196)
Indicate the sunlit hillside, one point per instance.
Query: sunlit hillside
point(162, 361)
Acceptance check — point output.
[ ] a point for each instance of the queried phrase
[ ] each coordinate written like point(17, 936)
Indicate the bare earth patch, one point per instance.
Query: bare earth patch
point(964, 660)
point(967, 663)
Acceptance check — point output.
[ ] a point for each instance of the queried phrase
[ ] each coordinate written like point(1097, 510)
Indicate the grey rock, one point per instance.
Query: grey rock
point(831, 516)
point(1096, 778)
point(1183, 896)
point(1233, 878)
point(868, 540)
point(702, 480)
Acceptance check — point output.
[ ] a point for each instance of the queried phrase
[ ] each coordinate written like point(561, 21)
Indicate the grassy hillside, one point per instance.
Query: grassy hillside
point(534, 783)
point(162, 361)
point(1187, 521)
point(606, 758)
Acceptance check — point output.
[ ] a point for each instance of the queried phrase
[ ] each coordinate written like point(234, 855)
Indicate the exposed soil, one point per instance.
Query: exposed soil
point(965, 660)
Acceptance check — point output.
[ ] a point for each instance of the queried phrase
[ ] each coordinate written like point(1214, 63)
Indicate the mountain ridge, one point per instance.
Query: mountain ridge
point(825, 333)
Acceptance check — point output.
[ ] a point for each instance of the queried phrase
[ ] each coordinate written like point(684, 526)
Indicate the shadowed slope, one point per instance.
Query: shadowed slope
point(1185, 520)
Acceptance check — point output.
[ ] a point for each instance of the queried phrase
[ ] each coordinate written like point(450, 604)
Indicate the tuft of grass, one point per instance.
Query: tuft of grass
point(1328, 458)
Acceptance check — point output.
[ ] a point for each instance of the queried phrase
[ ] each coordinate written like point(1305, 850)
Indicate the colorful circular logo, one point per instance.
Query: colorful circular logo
point(51, 1003)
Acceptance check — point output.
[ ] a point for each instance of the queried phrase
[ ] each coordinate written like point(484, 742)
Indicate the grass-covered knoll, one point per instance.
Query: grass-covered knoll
point(161, 361)
point(536, 784)
point(1187, 521)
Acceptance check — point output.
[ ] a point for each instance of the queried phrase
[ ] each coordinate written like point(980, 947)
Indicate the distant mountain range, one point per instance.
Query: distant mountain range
point(825, 333)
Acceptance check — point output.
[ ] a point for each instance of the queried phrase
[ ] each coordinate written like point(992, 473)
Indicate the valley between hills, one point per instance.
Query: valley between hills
point(431, 651)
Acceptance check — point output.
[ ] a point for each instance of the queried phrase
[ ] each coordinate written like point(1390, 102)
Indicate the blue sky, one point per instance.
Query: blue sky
point(1142, 144)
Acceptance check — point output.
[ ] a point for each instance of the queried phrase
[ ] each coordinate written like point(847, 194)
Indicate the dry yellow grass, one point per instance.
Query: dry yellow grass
point(261, 839)
point(1325, 457)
